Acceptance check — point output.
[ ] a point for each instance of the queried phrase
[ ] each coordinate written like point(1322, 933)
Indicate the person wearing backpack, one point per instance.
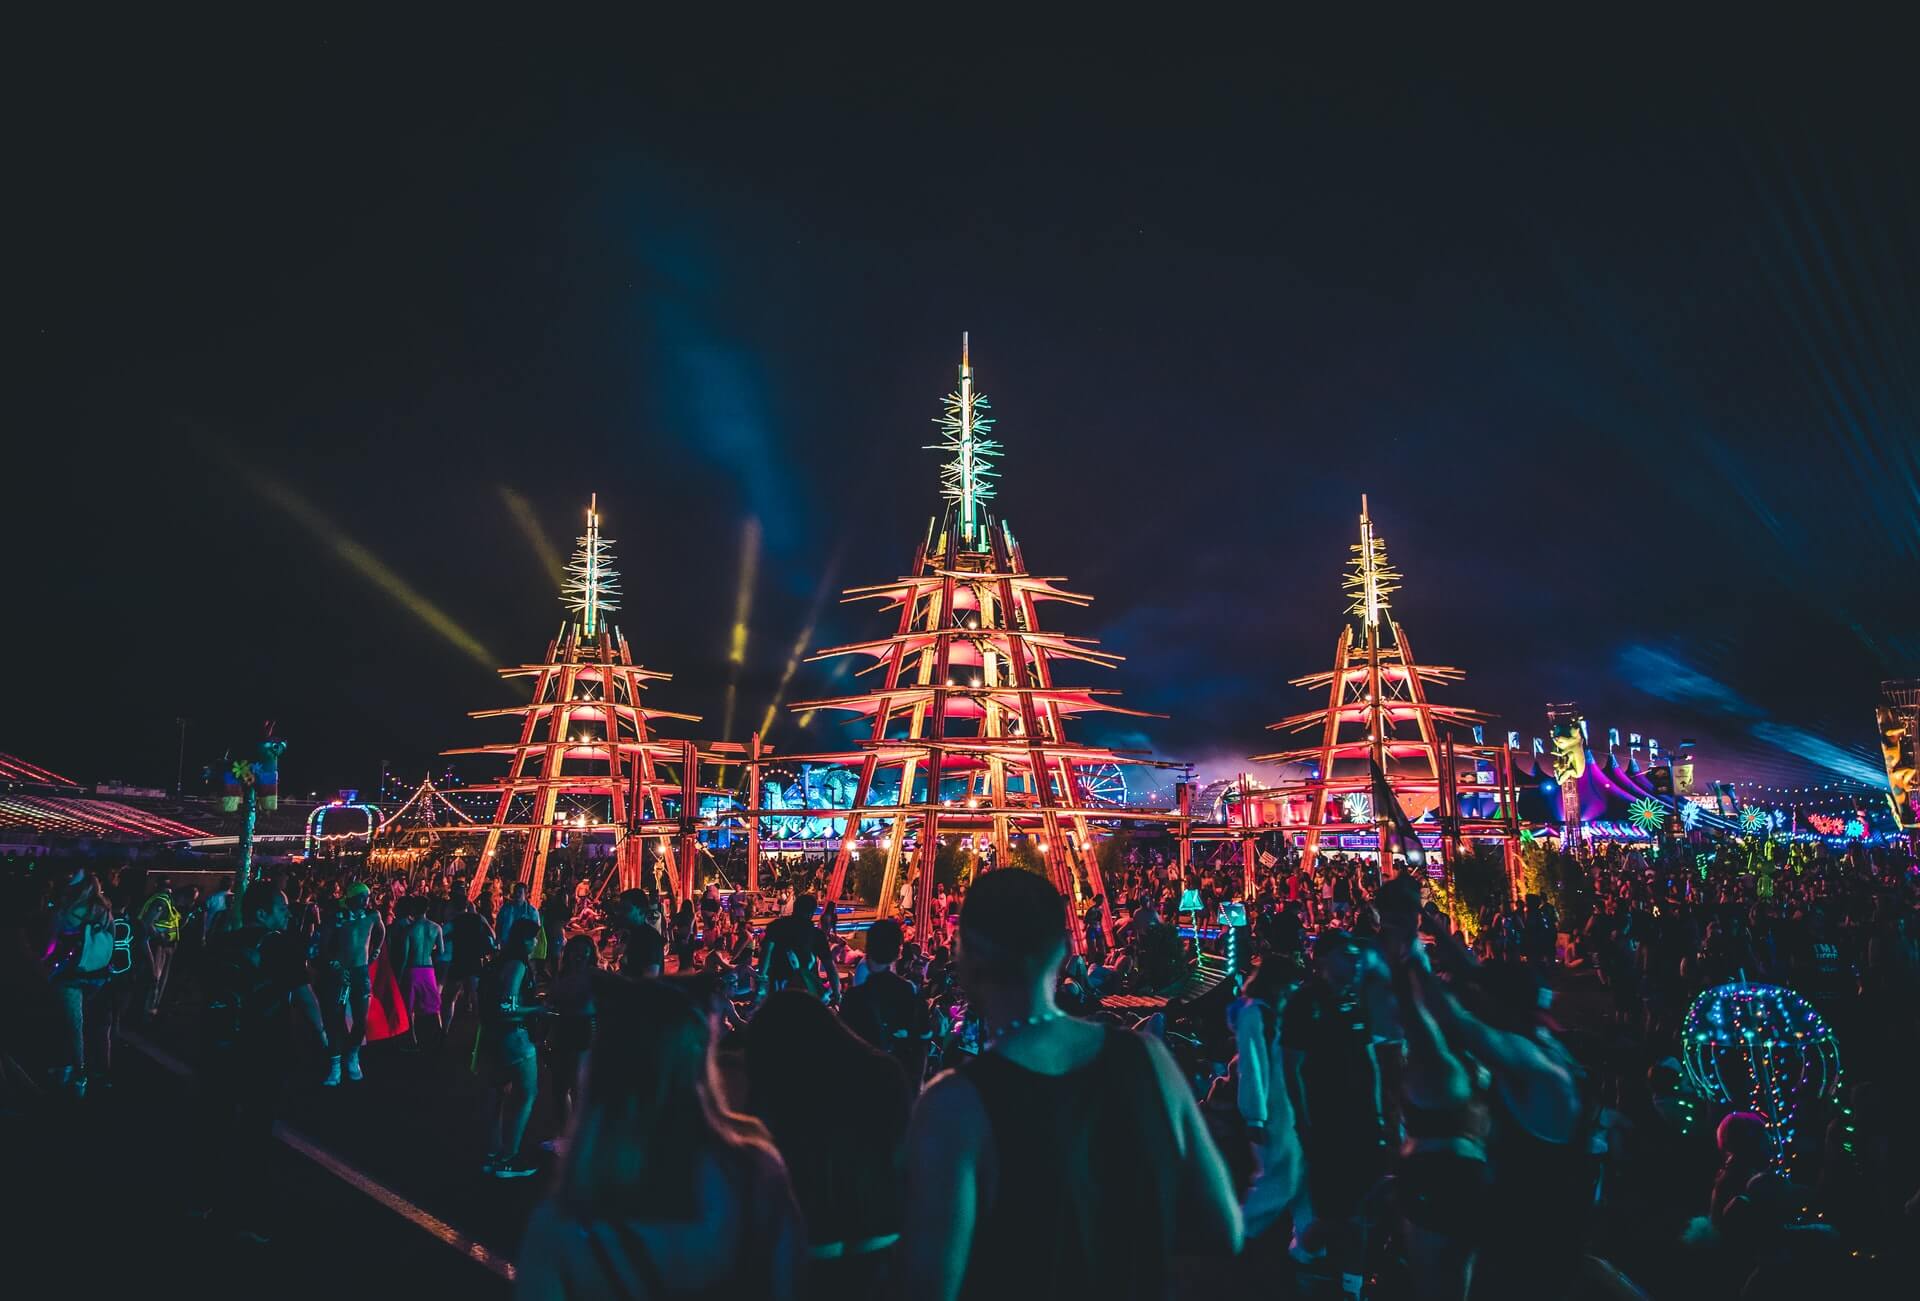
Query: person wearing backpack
point(256, 977)
point(159, 929)
point(78, 957)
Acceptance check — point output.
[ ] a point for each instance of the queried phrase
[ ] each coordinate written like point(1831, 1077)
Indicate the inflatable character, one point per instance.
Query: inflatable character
point(1897, 744)
point(1569, 741)
point(266, 772)
point(262, 772)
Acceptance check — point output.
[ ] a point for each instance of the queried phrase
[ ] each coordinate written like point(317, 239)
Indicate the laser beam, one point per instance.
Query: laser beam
point(800, 643)
point(368, 566)
point(742, 611)
point(521, 512)
point(1666, 676)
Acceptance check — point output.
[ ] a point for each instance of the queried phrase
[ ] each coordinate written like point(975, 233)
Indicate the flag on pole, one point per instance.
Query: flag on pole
point(1401, 837)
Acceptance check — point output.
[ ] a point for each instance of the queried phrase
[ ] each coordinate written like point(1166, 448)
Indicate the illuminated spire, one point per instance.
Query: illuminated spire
point(592, 588)
point(1370, 580)
point(966, 479)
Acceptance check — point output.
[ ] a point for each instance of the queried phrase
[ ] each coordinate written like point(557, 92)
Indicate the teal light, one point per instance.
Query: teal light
point(592, 588)
point(966, 479)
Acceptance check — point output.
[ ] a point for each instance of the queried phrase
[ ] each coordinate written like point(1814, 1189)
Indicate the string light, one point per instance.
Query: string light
point(317, 820)
point(1765, 1049)
point(70, 815)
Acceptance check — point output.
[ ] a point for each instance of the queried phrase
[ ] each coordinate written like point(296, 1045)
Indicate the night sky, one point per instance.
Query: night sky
point(317, 344)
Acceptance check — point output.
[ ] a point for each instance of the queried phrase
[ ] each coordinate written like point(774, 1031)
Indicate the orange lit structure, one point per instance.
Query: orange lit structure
point(968, 717)
point(586, 760)
point(1377, 716)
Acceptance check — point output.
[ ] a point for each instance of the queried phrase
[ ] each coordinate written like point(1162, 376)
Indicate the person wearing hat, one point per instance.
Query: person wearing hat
point(350, 944)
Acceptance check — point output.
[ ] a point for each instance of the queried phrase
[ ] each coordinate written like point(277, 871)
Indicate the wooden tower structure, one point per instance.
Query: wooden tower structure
point(967, 721)
point(586, 759)
point(1379, 737)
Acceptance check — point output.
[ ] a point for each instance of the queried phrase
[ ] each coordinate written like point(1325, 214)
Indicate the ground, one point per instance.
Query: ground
point(359, 1179)
point(378, 1184)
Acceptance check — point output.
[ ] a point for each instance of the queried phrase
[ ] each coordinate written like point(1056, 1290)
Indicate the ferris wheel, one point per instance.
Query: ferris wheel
point(1103, 784)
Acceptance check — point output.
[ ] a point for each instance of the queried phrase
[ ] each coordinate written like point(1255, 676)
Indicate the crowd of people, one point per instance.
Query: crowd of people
point(1396, 1095)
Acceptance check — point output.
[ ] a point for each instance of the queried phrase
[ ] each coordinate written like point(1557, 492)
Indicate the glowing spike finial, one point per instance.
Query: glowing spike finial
point(592, 586)
point(967, 478)
point(1371, 580)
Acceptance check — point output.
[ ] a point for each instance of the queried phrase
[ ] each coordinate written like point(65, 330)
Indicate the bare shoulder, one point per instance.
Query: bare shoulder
point(1174, 1089)
point(950, 1094)
point(948, 1112)
point(1159, 1054)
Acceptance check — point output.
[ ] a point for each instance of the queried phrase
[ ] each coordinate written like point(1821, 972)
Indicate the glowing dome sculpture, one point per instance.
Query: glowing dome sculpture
point(1762, 1048)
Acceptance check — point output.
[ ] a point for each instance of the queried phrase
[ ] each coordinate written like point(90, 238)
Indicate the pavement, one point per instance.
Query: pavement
point(376, 1187)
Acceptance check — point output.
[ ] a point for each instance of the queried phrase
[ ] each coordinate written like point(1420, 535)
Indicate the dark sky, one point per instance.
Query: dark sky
point(1627, 357)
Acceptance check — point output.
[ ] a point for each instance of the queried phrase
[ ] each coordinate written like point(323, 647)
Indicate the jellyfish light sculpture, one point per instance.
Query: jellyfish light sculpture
point(1763, 1048)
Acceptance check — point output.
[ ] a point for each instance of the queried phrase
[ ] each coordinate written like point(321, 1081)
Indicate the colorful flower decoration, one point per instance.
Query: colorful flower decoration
point(1753, 820)
point(1647, 814)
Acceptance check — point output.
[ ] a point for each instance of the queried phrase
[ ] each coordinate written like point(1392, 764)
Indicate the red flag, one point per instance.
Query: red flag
point(387, 1008)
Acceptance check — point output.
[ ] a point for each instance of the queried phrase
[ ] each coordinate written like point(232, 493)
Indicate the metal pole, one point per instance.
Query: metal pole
point(243, 876)
point(689, 815)
point(1246, 839)
point(753, 815)
point(180, 763)
point(1185, 792)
